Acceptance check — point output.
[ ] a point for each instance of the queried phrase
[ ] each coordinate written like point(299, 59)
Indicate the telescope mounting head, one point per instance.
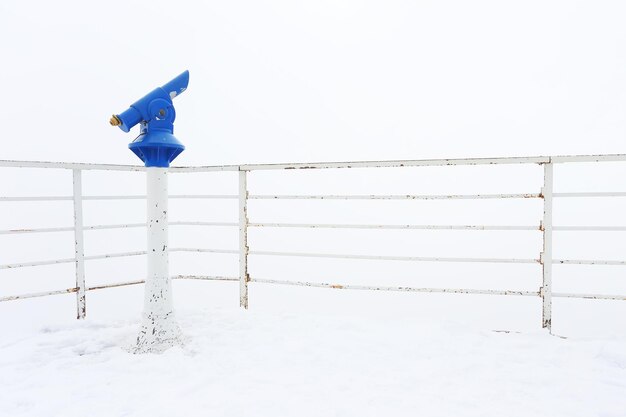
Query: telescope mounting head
point(156, 145)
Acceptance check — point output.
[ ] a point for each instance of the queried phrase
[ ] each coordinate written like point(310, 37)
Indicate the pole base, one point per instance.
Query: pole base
point(157, 334)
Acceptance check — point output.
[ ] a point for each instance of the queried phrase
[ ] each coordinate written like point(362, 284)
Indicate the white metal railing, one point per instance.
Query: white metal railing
point(545, 258)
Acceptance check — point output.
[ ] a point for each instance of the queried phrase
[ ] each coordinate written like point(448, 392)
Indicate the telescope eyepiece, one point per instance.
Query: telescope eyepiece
point(115, 121)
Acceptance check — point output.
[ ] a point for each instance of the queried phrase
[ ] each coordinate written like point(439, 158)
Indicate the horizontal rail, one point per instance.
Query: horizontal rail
point(204, 250)
point(68, 291)
point(114, 226)
point(70, 198)
point(69, 165)
point(320, 165)
point(323, 197)
point(40, 230)
point(387, 288)
point(590, 296)
point(38, 294)
point(190, 223)
point(397, 163)
point(438, 162)
point(38, 263)
point(393, 197)
point(395, 258)
point(323, 285)
point(70, 260)
point(392, 226)
point(438, 227)
point(589, 228)
point(559, 159)
point(115, 255)
point(436, 290)
point(327, 226)
point(205, 168)
point(113, 285)
point(205, 196)
point(206, 277)
point(38, 198)
point(591, 194)
point(433, 259)
point(115, 197)
point(323, 255)
point(197, 277)
point(110, 226)
point(587, 262)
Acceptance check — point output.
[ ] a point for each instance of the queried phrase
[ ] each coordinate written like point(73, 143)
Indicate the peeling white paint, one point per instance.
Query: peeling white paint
point(159, 329)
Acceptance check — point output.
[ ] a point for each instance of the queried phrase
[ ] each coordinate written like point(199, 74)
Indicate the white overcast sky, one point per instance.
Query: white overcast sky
point(321, 80)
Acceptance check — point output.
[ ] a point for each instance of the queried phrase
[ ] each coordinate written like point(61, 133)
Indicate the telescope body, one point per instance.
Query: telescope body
point(156, 144)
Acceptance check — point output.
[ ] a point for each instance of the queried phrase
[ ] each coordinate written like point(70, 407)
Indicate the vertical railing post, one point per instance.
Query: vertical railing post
point(243, 240)
point(546, 254)
point(79, 245)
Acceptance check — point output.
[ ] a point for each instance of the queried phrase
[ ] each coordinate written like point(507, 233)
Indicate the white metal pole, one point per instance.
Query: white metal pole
point(546, 255)
point(159, 329)
point(81, 308)
point(243, 240)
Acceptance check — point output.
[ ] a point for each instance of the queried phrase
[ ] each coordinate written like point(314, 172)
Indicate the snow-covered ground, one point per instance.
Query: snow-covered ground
point(285, 361)
point(321, 352)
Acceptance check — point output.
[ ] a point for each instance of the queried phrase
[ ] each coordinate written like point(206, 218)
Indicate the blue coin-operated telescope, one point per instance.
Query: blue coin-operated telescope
point(156, 144)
